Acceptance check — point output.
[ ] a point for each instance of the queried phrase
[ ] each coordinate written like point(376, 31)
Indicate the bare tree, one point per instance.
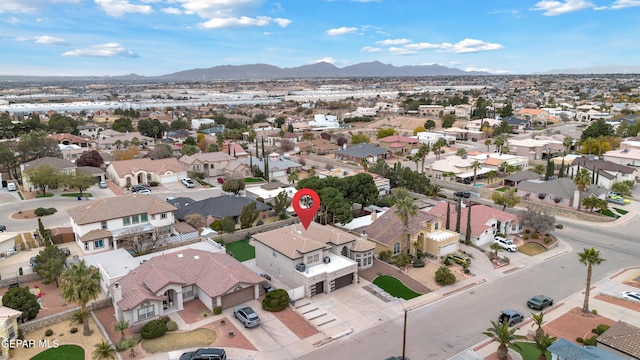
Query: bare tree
point(197, 221)
point(139, 241)
point(537, 218)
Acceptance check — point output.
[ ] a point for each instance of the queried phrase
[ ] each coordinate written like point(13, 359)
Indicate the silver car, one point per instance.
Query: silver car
point(247, 316)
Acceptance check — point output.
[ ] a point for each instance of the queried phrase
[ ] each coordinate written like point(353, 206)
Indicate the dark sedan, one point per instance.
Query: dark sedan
point(539, 302)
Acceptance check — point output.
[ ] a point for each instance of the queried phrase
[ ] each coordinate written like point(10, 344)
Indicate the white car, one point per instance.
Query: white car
point(630, 295)
point(505, 244)
point(188, 182)
point(144, 192)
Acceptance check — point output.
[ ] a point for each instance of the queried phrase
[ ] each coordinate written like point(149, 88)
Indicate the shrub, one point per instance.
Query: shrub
point(547, 240)
point(127, 343)
point(591, 341)
point(527, 231)
point(43, 212)
point(217, 310)
point(600, 329)
point(594, 312)
point(49, 332)
point(153, 329)
point(76, 318)
point(20, 334)
point(165, 319)
point(418, 262)
point(447, 261)
point(260, 199)
point(534, 236)
point(260, 222)
point(153, 183)
point(276, 300)
point(172, 326)
point(526, 237)
point(444, 276)
point(559, 226)
point(506, 260)
point(579, 340)
point(282, 216)
point(385, 255)
point(73, 330)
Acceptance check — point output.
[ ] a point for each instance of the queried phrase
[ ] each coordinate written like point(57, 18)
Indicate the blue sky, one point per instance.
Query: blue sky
point(157, 37)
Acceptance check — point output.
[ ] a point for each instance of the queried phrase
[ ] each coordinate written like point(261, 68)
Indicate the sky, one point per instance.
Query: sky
point(158, 37)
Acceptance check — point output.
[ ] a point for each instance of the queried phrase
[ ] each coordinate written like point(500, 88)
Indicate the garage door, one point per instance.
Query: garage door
point(448, 249)
point(169, 179)
point(343, 281)
point(237, 297)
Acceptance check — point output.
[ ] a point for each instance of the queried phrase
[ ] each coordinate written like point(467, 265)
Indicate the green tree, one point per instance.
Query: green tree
point(103, 351)
point(360, 138)
point(504, 336)
point(506, 110)
point(538, 321)
point(80, 284)
point(429, 124)
point(233, 186)
point(589, 257)
point(444, 276)
point(448, 120)
point(507, 198)
point(122, 125)
point(44, 233)
point(179, 124)
point(152, 128)
point(81, 180)
point(362, 190)
point(462, 152)
point(281, 202)
point(44, 177)
point(189, 150)
point(596, 129)
point(50, 264)
point(582, 180)
point(405, 209)
point(21, 299)
point(62, 124)
point(475, 165)
point(249, 215)
point(228, 224)
point(543, 341)
point(467, 234)
point(121, 326)
point(293, 176)
point(36, 145)
point(162, 151)
point(382, 133)
point(488, 143)
point(402, 260)
point(567, 143)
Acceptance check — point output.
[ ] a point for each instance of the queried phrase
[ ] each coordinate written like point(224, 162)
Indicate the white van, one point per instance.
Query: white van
point(11, 186)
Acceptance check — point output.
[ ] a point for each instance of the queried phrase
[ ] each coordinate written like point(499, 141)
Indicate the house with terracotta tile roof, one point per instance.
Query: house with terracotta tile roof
point(622, 339)
point(70, 139)
point(214, 164)
point(111, 139)
point(397, 143)
point(162, 285)
point(145, 170)
point(486, 221)
point(319, 259)
point(136, 222)
point(234, 149)
point(534, 115)
point(426, 230)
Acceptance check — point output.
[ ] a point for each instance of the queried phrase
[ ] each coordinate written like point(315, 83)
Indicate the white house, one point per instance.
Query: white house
point(324, 121)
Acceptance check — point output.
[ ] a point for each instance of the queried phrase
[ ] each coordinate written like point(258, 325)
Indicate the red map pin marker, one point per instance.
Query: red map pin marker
point(306, 214)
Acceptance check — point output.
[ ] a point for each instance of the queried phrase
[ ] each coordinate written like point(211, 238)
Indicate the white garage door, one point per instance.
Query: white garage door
point(448, 249)
point(169, 179)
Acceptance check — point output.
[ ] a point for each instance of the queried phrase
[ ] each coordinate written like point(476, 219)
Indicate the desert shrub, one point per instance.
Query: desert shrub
point(547, 240)
point(559, 226)
point(591, 341)
point(600, 329)
point(153, 183)
point(76, 318)
point(153, 329)
point(172, 325)
point(260, 222)
point(217, 310)
point(49, 332)
point(127, 343)
point(282, 216)
point(276, 300)
point(506, 260)
point(534, 236)
point(385, 255)
point(527, 231)
point(418, 262)
point(447, 261)
point(260, 199)
point(594, 312)
point(580, 340)
point(165, 319)
point(444, 276)
point(526, 237)
point(465, 268)
point(73, 330)
point(43, 212)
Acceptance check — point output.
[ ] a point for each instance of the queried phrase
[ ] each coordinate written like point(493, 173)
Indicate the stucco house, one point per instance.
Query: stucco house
point(217, 208)
point(145, 170)
point(215, 164)
point(361, 151)
point(397, 143)
point(162, 285)
point(534, 115)
point(8, 327)
point(60, 165)
point(626, 156)
point(111, 139)
point(557, 192)
point(321, 259)
point(134, 221)
point(388, 233)
point(606, 172)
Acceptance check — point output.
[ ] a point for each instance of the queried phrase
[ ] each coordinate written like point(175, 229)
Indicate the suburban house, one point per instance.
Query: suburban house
point(320, 259)
point(235, 149)
point(60, 165)
point(606, 173)
point(321, 146)
point(626, 156)
point(457, 168)
point(486, 221)
point(518, 123)
point(163, 283)
point(361, 151)
point(534, 115)
point(535, 149)
point(135, 222)
point(621, 339)
point(432, 137)
point(563, 349)
point(217, 208)
point(111, 139)
point(559, 192)
point(430, 110)
point(425, 230)
point(145, 170)
point(399, 144)
point(215, 164)
point(70, 139)
point(278, 165)
point(269, 191)
point(8, 327)
point(89, 131)
point(515, 179)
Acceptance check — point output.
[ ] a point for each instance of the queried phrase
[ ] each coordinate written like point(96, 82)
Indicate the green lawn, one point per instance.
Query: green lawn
point(621, 211)
point(62, 352)
point(529, 351)
point(76, 194)
point(531, 249)
point(394, 287)
point(241, 250)
point(609, 213)
point(253, 180)
point(44, 195)
point(504, 188)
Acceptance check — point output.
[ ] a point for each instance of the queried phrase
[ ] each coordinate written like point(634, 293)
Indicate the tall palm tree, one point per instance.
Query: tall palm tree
point(589, 257)
point(582, 180)
point(538, 320)
point(364, 163)
point(543, 341)
point(491, 175)
point(103, 351)
point(488, 143)
point(475, 165)
point(80, 284)
point(440, 143)
point(500, 333)
point(567, 142)
point(121, 326)
point(405, 209)
point(424, 150)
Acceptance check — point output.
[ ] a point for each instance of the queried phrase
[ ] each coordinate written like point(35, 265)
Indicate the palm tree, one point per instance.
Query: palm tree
point(462, 152)
point(543, 341)
point(582, 180)
point(405, 208)
point(589, 257)
point(499, 141)
point(424, 151)
point(488, 143)
point(538, 320)
point(491, 175)
point(495, 247)
point(475, 165)
point(80, 284)
point(416, 246)
point(567, 142)
point(500, 333)
point(103, 351)
point(364, 163)
point(440, 143)
point(121, 326)
point(293, 176)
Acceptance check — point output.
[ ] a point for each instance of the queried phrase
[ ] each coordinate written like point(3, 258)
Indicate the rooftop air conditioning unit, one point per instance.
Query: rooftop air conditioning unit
point(326, 260)
point(301, 267)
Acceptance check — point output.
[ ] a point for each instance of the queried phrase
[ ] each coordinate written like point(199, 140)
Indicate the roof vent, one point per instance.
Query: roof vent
point(196, 257)
point(180, 255)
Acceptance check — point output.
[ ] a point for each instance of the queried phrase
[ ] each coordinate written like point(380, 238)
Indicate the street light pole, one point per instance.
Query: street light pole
point(404, 334)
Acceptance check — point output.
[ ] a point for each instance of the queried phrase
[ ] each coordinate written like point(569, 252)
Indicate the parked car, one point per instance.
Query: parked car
point(505, 244)
point(247, 316)
point(459, 258)
point(205, 354)
point(220, 180)
point(102, 185)
point(144, 191)
point(3, 228)
point(66, 251)
point(511, 317)
point(136, 188)
point(187, 182)
point(462, 194)
point(539, 302)
point(618, 200)
point(11, 186)
point(630, 295)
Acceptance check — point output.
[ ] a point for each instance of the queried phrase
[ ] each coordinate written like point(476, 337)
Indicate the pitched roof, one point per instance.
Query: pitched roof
point(480, 216)
point(565, 349)
point(523, 175)
point(7, 313)
point(602, 165)
point(388, 227)
point(398, 138)
point(218, 207)
point(118, 207)
point(157, 166)
point(215, 274)
point(295, 241)
point(56, 163)
point(206, 157)
point(562, 187)
point(362, 150)
point(623, 337)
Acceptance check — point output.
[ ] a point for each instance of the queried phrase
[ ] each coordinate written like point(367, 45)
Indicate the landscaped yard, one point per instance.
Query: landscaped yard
point(62, 352)
point(620, 211)
point(394, 287)
point(253, 180)
point(531, 248)
point(529, 351)
point(241, 250)
point(177, 341)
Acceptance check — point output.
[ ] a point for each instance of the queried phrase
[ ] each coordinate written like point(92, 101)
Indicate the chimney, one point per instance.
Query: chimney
point(374, 215)
point(117, 292)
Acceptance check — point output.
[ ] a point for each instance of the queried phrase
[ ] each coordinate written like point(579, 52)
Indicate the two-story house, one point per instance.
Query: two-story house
point(135, 222)
point(604, 173)
point(214, 164)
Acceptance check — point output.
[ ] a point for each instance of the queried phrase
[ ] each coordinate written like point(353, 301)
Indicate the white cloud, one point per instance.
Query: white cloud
point(13, 20)
point(423, 46)
point(282, 22)
point(327, 59)
point(341, 31)
point(28, 6)
point(22, 38)
point(554, 8)
point(370, 49)
point(172, 11)
point(485, 69)
point(401, 51)
point(242, 21)
point(469, 46)
point(623, 4)
point(49, 40)
point(118, 8)
point(103, 50)
point(393, 42)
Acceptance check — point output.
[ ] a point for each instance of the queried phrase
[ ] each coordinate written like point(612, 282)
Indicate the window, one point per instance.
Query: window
point(187, 291)
point(98, 244)
point(316, 258)
point(396, 248)
point(11, 333)
point(143, 217)
point(163, 216)
point(279, 272)
point(146, 311)
point(135, 219)
point(86, 246)
point(103, 225)
point(435, 225)
point(309, 259)
point(126, 221)
point(273, 252)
